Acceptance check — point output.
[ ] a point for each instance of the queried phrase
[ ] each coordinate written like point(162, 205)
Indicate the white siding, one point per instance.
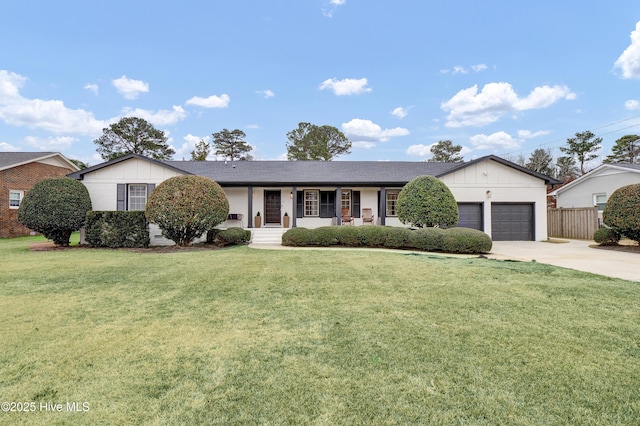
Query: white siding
point(605, 181)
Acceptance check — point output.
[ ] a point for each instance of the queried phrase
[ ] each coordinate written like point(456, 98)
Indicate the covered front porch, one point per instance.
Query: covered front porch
point(310, 207)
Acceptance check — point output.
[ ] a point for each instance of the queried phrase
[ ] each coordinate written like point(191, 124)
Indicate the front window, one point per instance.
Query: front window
point(392, 200)
point(346, 200)
point(137, 197)
point(15, 197)
point(600, 200)
point(311, 199)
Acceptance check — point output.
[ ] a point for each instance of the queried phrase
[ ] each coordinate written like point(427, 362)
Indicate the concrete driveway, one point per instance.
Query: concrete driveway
point(574, 254)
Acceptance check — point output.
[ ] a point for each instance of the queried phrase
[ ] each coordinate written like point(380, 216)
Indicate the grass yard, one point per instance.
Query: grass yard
point(244, 336)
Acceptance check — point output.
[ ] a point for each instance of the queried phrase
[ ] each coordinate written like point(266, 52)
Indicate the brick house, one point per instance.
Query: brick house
point(19, 171)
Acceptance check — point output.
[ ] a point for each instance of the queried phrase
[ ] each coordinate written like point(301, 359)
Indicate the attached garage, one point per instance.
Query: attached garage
point(470, 216)
point(512, 222)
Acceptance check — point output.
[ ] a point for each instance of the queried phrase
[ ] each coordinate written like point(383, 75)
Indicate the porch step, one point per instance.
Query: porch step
point(267, 235)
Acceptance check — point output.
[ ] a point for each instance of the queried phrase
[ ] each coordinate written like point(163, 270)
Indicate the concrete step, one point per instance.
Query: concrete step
point(267, 235)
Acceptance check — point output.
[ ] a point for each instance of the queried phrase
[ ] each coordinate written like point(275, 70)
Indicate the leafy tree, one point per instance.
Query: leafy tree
point(541, 161)
point(311, 142)
point(426, 202)
point(81, 165)
point(446, 152)
point(55, 207)
point(201, 152)
point(566, 169)
point(231, 145)
point(133, 135)
point(622, 211)
point(625, 150)
point(583, 147)
point(185, 207)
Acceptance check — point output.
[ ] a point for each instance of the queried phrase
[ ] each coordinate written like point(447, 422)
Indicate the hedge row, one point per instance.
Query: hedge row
point(452, 240)
point(117, 229)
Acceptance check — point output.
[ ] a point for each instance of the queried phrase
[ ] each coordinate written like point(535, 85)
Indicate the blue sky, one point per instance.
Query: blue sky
point(497, 77)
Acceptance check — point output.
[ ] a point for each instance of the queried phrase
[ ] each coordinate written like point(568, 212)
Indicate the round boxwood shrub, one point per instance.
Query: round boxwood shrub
point(55, 207)
point(622, 211)
point(233, 236)
point(465, 240)
point(184, 207)
point(427, 202)
point(606, 237)
point(297, 237)
point(427, 239)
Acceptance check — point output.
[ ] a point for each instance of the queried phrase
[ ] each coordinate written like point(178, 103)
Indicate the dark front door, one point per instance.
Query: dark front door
point(272, 205)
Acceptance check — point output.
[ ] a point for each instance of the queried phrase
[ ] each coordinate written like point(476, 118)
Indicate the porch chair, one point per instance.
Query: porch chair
point(367, 216)
point(346, 217)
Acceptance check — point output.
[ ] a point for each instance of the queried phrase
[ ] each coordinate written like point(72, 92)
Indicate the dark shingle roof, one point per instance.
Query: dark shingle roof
point(628, 165)
point(241, 173)
point(317, 173)
point(9, 159)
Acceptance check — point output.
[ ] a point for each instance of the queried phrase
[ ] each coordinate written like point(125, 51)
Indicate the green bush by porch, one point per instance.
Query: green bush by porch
point(453, 240)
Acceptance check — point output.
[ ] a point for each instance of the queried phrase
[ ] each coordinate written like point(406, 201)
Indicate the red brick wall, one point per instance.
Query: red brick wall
point(21, 178)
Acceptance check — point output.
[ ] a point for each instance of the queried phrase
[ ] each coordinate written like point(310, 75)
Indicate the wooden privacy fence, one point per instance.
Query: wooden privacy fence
point(580, 223)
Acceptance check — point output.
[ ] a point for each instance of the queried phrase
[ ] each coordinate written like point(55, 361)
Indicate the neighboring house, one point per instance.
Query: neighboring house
point(595, 187)
point(501, 198)
point(19, 171)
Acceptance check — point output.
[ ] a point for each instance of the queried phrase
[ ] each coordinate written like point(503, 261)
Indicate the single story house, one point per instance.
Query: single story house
point(19, 171)
point(496, 196)
point(595, 188)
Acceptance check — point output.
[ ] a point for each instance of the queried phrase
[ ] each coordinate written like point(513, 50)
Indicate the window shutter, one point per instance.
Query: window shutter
point(122, 197)
point(300, 204)
point(327, 204)
point(355, 203)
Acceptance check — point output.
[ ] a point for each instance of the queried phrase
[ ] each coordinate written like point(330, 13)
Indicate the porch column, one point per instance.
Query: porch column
point(382, 208)
point(294, 209)
point(250, 207)
point(339, 205)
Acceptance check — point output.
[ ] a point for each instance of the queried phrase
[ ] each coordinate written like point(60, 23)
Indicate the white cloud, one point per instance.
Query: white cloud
point(459, 69)
point(363, 145)
point(470, 108)
point(348, 86)
point(49, 115)
point(632, 104)
point(495, 141)
point(252, 126)
point(419, 150)
point(367, 131)
point(212, 101)
point(400, 112)
point(528, 134)
point(162, 117)
point(332, 7)
point(130, 88)
point(92, 88)
point(266, 93)
point(5, 147)
point(629, 60)
point(479, 67)
point(61, 143)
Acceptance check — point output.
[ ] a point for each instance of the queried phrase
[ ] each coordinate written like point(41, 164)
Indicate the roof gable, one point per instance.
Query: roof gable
point(81, 173)
point(9, 160)
point(598, 171)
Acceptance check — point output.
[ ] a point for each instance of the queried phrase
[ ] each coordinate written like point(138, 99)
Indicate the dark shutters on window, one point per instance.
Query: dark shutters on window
point(327, 204)
point(300, 204)
point(355, 203)
point(122, 197)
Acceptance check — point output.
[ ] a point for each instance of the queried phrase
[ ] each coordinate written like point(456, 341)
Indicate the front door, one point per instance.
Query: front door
point(272, 206)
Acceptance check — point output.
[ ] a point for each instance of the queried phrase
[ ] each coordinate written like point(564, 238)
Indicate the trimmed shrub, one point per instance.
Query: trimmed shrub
point(297, 237)
point(373, 236)
point(427, 202)
point(55, 208)
point(233, 236)
point(465, 240)
point(427, 239)
point(348, 236)
point(622, 211)
point(116, 229)
point(397, 237)
point(606, 237)
point(185, 207)
point(453, 240)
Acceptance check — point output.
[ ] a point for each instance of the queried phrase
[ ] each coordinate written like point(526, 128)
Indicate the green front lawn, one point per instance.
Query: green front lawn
point(244, 336)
